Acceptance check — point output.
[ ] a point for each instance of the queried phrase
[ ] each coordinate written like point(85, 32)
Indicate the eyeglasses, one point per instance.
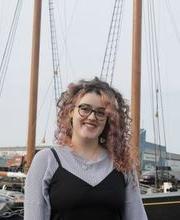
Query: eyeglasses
point(85, 110)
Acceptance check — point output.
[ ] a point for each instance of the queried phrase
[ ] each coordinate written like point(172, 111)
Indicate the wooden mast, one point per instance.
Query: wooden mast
point(136, 77)
point(34, 83)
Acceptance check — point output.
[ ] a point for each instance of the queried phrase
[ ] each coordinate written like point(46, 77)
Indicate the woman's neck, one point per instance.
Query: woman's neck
point(86, 148)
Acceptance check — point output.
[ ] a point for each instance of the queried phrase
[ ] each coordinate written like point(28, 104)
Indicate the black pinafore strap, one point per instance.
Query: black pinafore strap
point(56, 156)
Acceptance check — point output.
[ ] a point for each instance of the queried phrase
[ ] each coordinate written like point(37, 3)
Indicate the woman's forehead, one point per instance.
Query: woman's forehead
point(91, 98)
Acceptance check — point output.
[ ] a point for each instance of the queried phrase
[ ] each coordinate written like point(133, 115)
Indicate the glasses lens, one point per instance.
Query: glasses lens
point(100, 114)
point(84, 110)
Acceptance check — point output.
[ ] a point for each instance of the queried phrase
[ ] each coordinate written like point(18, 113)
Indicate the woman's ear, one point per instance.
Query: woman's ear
point(70, 116)
point(71, 112)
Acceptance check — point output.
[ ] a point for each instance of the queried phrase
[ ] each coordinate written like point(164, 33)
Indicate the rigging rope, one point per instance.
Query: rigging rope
point(159, 89)
point(55, 53)
point(12, 213)
point(45, 96)
point(169, 9)
point(1, 15)
point(107, 71)
point(65, 30)
point(155, 80)
point(47, 121)
point(42, 104)
point(149, 70)
point(9, 44)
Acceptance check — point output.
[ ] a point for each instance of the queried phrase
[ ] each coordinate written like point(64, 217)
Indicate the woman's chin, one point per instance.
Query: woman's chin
point(89, 137)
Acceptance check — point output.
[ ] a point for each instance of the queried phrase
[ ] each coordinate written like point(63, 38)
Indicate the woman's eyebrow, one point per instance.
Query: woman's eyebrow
point(96, 107)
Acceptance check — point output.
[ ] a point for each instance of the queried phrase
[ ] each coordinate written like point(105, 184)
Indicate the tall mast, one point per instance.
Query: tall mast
point(136, 76)
point(34, 82)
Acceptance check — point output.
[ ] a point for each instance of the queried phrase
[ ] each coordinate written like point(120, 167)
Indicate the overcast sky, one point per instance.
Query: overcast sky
point(82, 29)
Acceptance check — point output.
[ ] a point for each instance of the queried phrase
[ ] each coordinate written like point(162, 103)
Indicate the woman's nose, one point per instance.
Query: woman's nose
point(92, 116)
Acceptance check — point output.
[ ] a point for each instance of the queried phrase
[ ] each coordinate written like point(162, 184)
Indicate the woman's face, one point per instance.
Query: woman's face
point(89, 117)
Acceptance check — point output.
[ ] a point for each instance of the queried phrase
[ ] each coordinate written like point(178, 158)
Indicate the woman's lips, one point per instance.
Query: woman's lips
point(90, 125)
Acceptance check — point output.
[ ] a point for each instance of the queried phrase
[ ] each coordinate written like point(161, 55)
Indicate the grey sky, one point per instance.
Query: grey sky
point(82, 34)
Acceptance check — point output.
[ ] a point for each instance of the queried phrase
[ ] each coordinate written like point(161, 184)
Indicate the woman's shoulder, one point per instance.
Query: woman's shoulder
point(43, 163)
point(41, 156)
point(42, 153)
point(46, 159)
point(46, 153)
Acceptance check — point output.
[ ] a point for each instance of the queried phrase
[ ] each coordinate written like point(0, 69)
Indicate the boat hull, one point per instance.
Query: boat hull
point(165, 207)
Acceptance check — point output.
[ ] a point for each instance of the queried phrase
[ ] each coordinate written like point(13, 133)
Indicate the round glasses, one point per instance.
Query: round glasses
point(85, 110)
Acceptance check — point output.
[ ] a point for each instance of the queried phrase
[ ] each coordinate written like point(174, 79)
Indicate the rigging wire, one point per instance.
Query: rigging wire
point(152, 67)
point(154, 78)
point(172, 19)
point(107, 71)
point(47, 120)
point(43, 101)
point(1, 15)
point(149, 64)
point(9, 44)
point(72, 16)
point(149, 70)
point(56, 79)
point(155, 81)
point(49, 111)
point(45, 96)
point(55, 53)
point(159, 80)
point(65, 33)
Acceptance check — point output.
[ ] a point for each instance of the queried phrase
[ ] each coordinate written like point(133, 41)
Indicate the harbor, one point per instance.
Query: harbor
point(157, 202)
point(127, 47)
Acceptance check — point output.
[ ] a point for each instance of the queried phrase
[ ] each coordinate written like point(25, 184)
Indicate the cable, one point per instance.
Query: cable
point(9, 45)
point(47, 121)
point(107, 71)
point(65, 33)
point(155, 83)
point(169, 9)
point(9, 212)
point(159, 89)
point(55, 53)
point(43, 101)
point(16, 213)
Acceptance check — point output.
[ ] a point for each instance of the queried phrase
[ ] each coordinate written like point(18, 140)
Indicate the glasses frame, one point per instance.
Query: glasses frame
point(94, 110)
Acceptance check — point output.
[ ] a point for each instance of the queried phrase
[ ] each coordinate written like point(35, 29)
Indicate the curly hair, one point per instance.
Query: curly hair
point(116, 134)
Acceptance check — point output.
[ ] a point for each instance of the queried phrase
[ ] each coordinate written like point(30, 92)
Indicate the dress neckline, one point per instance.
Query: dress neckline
point(102, 156)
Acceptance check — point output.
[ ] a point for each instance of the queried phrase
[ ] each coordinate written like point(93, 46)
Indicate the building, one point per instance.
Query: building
point(13, 154)
point(153, 155)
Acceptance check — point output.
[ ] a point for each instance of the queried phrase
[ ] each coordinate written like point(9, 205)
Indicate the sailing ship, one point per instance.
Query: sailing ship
point(156, 203)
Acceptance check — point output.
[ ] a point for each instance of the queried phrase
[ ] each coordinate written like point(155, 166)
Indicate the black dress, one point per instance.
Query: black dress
point(72, 198)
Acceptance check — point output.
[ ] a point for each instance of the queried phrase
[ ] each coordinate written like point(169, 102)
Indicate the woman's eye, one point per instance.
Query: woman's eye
point(100, 113)
point(86, 109)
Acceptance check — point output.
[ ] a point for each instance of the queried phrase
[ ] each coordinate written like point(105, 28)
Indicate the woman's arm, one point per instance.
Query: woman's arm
point(36, 204)
point(134, 208)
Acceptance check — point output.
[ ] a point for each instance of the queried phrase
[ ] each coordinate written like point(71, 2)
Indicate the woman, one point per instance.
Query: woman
point(89, 174)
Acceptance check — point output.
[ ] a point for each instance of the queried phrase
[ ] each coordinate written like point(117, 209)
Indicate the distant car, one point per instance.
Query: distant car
point(148, 177)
